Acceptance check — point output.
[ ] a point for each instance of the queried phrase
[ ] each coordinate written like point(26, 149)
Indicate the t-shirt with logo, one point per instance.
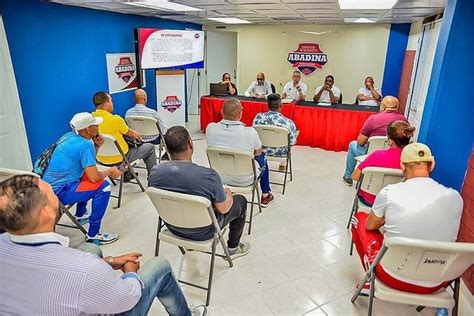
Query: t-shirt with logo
point(376, 125)
point(325, 97)
point(291, 91)
point(383, 158)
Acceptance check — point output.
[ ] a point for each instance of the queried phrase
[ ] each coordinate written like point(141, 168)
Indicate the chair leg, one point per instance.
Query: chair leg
point(371, 296)
point(120, 191)
point(251, 210)
point(360, 287)
point(157, 244)
point(182, 250)
point(74, 221)
point(456, 291)
point(286, 174)
point(112, 180)
point(159, 152)
point(352, 247)
point(226, 251)
point(258, 199)
point(211, 272)
point(291, 168)
point(355, 205)
point(136, 178)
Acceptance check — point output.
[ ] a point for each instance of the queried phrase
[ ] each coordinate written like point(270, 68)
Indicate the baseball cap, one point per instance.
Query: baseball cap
point(83, 120)
point(416, 152)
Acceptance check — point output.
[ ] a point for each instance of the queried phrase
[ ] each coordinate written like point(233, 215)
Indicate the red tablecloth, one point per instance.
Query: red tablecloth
point(326, 128)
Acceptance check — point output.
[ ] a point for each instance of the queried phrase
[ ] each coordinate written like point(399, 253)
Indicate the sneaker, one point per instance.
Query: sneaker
point(365, 290)
point(267, 200)
point(102, 238)
point(84, 219)
point(128, 176)
point(347, 181)
point(199, 310)
point(241, 250)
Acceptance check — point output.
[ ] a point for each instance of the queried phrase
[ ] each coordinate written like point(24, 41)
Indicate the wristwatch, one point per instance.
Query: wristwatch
point(110, 260)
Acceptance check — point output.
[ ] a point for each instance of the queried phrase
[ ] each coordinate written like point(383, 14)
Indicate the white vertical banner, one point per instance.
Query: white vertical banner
point(170, 97)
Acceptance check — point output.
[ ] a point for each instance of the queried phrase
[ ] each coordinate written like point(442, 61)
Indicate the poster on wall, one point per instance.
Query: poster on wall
point(122, 72)
point(171, 102)
point(307, 58)
point(171, 48)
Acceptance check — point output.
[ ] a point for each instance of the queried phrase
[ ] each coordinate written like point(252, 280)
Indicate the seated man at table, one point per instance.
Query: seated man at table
point(275, 118)
point(231, 88)
point(260, 88)
point(369, 95)
point(376, 125)
point(232, 133)
point(418, 208)
point(327, 93)
point(182, 175)
point(115, 125)
point(295, 89)
point(42, 275)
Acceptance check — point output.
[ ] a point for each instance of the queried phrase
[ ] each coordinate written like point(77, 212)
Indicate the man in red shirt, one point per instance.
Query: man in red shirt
point(376, 125)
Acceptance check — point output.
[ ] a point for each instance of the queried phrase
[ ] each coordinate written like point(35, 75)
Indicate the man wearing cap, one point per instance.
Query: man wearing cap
point(418, 208)
point(376, 125)
point(75, 179)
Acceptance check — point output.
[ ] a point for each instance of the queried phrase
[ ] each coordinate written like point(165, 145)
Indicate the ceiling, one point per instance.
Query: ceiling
point(272, 11)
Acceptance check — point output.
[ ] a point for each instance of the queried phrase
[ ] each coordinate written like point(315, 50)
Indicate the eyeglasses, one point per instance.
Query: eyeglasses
point(260, 79)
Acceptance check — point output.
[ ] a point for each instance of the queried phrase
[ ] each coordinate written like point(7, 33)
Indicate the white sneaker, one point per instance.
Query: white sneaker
point(241, 250)
point(102, 238)
point(84, 219)
point(199, 310)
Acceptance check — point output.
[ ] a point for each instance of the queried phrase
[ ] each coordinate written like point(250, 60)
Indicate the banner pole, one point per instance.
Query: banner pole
point(137, 59)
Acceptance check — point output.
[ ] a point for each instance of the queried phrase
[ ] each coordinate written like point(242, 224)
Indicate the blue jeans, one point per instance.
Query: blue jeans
point(353, 151)
point(68, 194)
point(160, 282)
point(264, 173)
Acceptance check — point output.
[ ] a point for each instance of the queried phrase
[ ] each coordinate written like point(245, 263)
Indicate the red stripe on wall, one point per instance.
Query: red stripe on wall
point(406, 78)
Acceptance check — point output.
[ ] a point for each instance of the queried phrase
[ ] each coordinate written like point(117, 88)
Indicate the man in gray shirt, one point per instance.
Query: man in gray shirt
point(183, 176)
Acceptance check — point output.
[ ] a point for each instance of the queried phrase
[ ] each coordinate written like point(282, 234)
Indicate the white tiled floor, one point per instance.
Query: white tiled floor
point(299, 262)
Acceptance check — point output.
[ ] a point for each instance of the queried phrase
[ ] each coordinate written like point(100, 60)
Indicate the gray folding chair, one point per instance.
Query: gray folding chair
point(112, 148)
point(147, 126)
point(275, 136)
point(6, 173)
point(236, 163)
point(419, 260)
point(188, 211)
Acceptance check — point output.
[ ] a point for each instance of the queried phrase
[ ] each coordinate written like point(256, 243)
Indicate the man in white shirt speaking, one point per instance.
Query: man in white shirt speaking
point(327, 93)
point(260, 88)
point(419, 208)
point(369, 95)
point(295, 89)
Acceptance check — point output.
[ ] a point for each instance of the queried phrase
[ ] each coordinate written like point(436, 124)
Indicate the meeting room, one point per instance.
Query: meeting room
point(236, 157)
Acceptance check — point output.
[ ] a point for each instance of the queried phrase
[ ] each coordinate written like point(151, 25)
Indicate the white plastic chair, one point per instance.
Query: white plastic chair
point(419, 260)
point(275, 136)
point(373, 179)
point(235, 163)
point(188, 211)
point(377, 142)
point(147, 126)
point(6, 173)
point(111, 147)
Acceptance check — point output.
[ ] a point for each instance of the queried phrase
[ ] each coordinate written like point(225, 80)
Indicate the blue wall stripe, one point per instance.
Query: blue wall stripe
point(58, 55)
point(447, 125)
point(396, 47)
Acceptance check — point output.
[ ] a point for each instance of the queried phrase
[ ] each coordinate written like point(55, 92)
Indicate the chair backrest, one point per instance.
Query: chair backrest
point(273, 136)
point(377, 142)
point(182, 210)
point(425, 260)
point(110, 146)
point(230, 162)
point(146, 126)
point(340, 99)
point(273, 88)
point(375, 178)
point(6, 173)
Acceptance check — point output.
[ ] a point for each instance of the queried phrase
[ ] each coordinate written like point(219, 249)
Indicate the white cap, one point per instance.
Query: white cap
point(83, 120)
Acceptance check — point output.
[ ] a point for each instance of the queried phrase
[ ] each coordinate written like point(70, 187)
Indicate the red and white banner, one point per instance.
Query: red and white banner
point(121, 72)
point(170, 97)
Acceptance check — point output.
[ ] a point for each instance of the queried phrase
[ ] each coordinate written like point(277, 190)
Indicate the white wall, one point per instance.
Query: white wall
point(354, 52)
point(415, 32)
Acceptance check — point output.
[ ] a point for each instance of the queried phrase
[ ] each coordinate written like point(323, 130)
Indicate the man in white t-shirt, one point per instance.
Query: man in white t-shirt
point(327, 93)
point(295, 89)
point(232, 133)
point(419, 208)
point(369, 95)
point(260, 88)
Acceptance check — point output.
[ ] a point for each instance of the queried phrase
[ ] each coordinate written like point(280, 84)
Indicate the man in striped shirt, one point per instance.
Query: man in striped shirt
point(41, 275)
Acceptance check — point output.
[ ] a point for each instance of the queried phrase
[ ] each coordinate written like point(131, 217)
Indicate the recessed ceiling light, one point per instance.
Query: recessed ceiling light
point(230, 20)
point(366, 4)
point(359, 20)
point(164, 5)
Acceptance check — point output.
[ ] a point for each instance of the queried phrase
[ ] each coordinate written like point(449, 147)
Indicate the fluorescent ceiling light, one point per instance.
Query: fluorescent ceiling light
point(359, 20)
point(366, 4)
point(164, 5)
point(230, 20)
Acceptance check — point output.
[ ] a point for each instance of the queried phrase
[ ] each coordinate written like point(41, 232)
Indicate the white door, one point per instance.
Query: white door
point(14, 151)
point(419, 86)
point(221, 57)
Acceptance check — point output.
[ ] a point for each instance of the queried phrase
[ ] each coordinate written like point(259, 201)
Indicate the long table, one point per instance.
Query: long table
point(326, 127)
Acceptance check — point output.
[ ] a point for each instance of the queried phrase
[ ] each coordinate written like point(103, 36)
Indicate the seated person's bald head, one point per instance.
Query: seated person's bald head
point(232, 110)
point(389, 103)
